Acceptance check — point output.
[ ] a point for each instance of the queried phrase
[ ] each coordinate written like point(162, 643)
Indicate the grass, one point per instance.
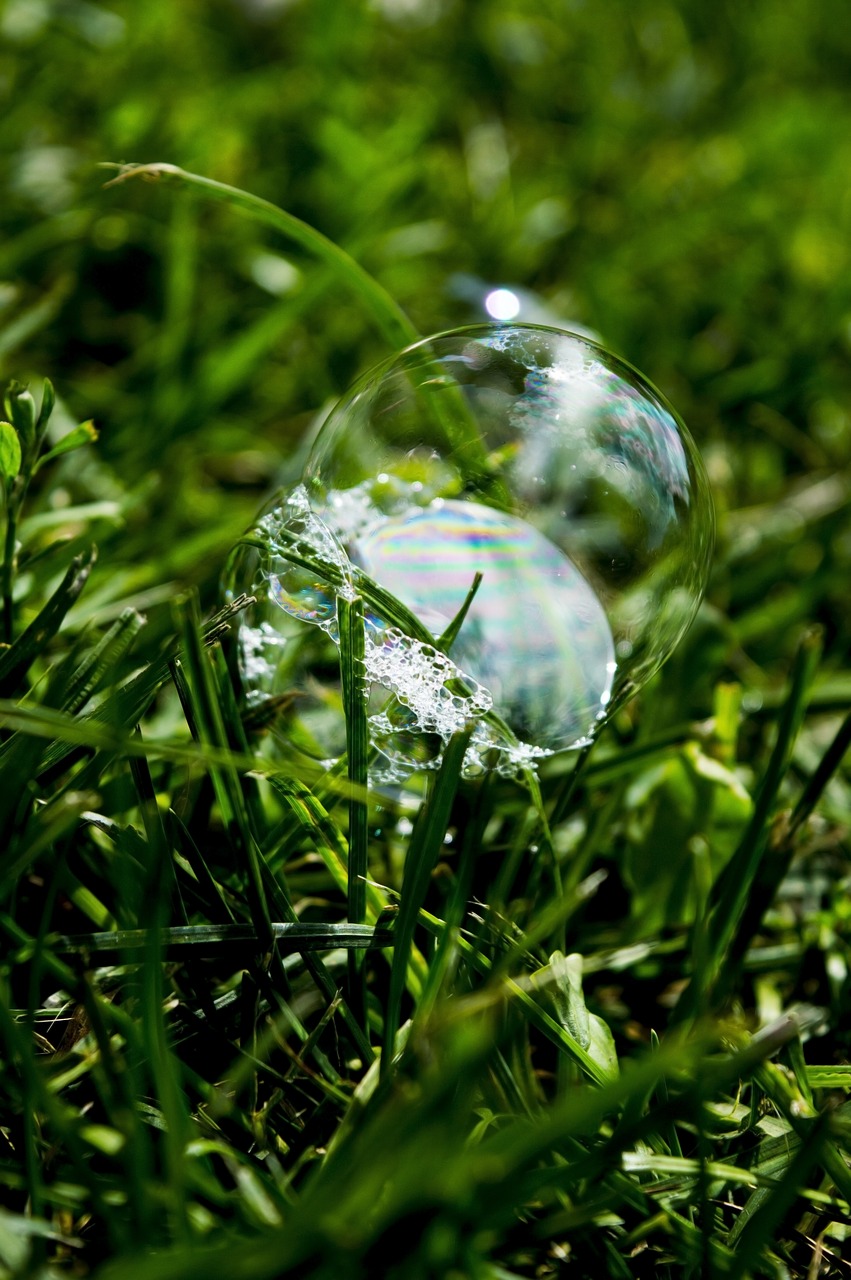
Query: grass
point(256, 1019)
point(197, 1078)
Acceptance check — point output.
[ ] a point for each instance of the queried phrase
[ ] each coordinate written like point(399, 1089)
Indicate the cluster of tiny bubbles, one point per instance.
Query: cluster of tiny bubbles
point(526, 455)
point(302, 591)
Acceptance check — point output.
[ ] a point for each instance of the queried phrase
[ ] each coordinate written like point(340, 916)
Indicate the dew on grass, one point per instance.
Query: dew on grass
point(529, 456)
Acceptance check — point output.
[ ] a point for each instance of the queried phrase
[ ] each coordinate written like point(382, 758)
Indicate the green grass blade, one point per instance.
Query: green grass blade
point(220, 939)
point(350, 625)
point(447, 953)
point(351, 628)
point(532, 1010)
point(747, 884)
point(760, 1230)
point(447, 639)
point(315, 822)
point(392, 321)
point(838, 1077)
point(163, 1064)
point(423, 852)
point(60, 1117)
point(217, 905)
point(47, 825)
point(211, 729)
point(88, 677)
point(19, 657)
point(788, 1099)
point(827, 767)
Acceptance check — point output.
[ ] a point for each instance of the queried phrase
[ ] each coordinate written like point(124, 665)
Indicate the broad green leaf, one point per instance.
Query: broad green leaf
point(568, 996)
point(586, 1028)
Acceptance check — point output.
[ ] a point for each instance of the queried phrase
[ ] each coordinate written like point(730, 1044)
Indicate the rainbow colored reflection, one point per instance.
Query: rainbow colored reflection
point(535, 635)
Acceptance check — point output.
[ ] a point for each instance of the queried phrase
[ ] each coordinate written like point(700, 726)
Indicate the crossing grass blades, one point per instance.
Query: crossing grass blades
point(258, 1021)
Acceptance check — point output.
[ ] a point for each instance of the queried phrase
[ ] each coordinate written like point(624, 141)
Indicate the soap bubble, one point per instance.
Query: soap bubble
point(526, 455)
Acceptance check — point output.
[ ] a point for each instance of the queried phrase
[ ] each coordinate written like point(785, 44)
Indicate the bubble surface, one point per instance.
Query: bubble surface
point(535, 634)
point(529, 456)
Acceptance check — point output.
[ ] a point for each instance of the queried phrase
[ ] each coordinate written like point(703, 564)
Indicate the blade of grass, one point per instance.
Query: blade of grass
point(123, 707)
point(46, 826)
point(827, 767)
point(393, 322)
point(313, 820)
point(776, 1084)
point(225, 778)
point(423, 852)
point(218, 939)
point(100, 662)
point(349, 615)
point(568, 789)
point(444, 961)
point(352, 640)
point(748, 868)
point(447, 639)
point(760, 1230)
point(19, 657)
point(163, 1063)
point(207, 715)
point(61, 1118)
point(217, 906)
point(533, 1011)
point(282, 905)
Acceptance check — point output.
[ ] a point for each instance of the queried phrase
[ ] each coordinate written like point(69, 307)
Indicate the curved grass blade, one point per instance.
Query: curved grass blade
point(447, 639)
point(441, 398)
point(392, 320)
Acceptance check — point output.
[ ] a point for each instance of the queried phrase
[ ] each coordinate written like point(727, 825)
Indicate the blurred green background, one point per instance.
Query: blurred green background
point(673, 177)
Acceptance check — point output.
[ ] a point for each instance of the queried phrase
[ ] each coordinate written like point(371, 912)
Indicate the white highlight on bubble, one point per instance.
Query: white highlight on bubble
point(502, 304)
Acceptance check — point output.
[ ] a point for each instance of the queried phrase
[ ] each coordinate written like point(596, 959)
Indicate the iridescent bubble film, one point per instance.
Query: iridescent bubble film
point(548, 665)
point(529, 456)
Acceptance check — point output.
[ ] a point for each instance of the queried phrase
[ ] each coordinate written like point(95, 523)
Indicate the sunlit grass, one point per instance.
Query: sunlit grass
point(258, 1020)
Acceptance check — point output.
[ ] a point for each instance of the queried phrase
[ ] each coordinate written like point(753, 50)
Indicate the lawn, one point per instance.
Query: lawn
point(268, 1009)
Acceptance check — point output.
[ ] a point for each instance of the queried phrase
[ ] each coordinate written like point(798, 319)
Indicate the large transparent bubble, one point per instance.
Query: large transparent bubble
point(528, 456)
